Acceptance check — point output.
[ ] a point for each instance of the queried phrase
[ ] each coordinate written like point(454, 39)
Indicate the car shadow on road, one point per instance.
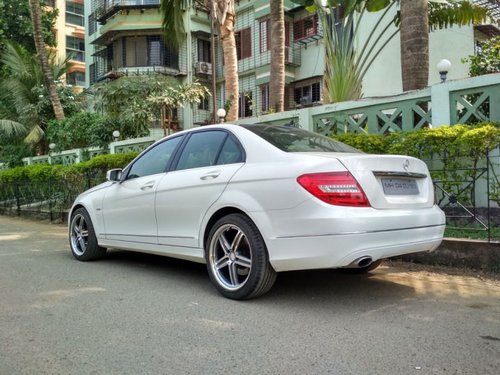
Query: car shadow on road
point(325, 288)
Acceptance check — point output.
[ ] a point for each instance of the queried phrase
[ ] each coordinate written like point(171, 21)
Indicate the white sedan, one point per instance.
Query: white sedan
point(254, 200)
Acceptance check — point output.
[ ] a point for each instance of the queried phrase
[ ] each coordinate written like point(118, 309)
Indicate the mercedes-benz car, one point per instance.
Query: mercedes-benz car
point(251, 201)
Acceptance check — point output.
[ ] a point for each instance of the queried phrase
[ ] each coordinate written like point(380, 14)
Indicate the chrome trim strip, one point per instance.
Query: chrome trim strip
point(360, 232)
point(142, 235)
point(106, 240)
point(399, 174)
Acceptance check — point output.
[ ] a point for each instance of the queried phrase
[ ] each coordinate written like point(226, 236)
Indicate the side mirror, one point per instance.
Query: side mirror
point(114, 175)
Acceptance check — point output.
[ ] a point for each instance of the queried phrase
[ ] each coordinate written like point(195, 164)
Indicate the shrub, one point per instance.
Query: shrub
point(87, 129)
point(455, 154)
point(44, 172)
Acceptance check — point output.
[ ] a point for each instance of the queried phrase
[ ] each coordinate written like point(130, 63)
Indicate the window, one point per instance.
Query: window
point(74, 13)
point(154, 51)
point(75, 48)
point(204, 104)
point(305, 28)
point(92, 73)
point(298, 140)
point(245, 104)
point(230, 153)
point(154, 160)
point(264, 98)
point(308, 94)
point(76, 78)
point(243, 43)
point(264, 35)
point(135, 51)
point(204, 51)
point(92, 22)
point(202, 150)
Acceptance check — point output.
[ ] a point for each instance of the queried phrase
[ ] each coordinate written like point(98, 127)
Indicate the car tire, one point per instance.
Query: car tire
point(237, 258)
point(82, 238)
point(362, 270)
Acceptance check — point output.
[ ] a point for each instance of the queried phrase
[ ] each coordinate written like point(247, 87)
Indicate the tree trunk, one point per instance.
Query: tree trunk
point(277, 80)
point(414, 36)
point(42, 56)
point(231, 65)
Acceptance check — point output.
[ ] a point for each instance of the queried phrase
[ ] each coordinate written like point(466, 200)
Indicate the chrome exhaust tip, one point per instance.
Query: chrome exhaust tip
point(361, 262)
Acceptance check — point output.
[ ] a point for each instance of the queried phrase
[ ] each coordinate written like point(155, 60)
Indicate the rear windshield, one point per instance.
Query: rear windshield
point(292, 139)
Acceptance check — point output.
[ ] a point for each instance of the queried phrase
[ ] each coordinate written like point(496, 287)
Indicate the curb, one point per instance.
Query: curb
point(462, 253)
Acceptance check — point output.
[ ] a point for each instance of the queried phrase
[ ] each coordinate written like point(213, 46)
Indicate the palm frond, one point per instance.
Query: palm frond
point(174, 32)
point(11, 128)
point(455, 13)
point(35, 135)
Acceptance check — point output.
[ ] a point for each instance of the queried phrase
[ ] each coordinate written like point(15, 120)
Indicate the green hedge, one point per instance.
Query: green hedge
point(44, 172)
point(444, 142)
point(454, 154)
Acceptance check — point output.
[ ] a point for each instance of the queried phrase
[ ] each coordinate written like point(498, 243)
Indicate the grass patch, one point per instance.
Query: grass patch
point(473, 233)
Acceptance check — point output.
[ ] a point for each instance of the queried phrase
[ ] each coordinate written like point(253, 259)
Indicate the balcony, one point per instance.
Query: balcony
point(107, 8)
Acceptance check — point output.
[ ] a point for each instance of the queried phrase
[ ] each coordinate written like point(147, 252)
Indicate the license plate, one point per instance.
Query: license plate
point(399, 186)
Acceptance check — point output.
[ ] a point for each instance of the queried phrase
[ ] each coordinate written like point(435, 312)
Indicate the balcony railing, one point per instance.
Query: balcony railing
point(107, 8)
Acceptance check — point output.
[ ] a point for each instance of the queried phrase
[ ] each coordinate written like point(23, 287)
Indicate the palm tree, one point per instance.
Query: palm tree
point(224, 15)
point(414, 38)
point(18, 92)
point(417, 18)
point(277, 80)
point(36, 20)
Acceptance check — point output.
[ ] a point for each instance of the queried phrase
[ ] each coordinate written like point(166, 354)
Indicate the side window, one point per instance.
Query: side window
point(155, 160)
point(230, 153)
point(201, 150)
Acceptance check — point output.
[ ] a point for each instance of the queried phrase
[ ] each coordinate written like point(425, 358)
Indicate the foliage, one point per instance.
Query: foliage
point(173, 25)
point(105, 162)
point(15, 24)
point(455, 13)
point(171, 97)
point(12, 154)
point(124, 99)
point(87, 130)
point(346, 66)
point(43, 172)
point(454, 154)
point(487, 58)
point(24, 108)
point(341, 20)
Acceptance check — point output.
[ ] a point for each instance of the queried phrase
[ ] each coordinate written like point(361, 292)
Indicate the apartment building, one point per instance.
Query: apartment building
point(70, 35)
point(124, 37)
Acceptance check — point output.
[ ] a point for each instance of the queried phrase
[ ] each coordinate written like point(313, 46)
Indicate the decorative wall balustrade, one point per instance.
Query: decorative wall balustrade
point(455, 102)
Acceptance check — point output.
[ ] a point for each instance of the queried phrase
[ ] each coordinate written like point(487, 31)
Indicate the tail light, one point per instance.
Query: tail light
point(338, 188)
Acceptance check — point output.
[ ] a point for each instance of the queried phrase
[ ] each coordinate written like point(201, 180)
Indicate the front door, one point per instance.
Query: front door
point(129, 205)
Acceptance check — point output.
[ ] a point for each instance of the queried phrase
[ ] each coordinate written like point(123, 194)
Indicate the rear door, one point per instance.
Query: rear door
point(207, 162)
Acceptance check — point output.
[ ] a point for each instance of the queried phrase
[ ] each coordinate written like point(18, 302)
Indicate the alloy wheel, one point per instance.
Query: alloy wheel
point(230, 257)
point(79, 234)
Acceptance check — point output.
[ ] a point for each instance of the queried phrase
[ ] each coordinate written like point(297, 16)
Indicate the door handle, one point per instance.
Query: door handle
point(148, 185)
point(210, 175)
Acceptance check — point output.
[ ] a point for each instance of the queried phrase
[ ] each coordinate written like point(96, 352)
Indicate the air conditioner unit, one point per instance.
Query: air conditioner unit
point(305, 101)
point(202, 67)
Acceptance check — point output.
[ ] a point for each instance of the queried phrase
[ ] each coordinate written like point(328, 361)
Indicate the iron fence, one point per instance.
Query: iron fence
point(50, 199)
point(470, 196)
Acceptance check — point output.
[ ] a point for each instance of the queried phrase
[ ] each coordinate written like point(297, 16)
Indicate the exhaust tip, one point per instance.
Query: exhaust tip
point(364, 262)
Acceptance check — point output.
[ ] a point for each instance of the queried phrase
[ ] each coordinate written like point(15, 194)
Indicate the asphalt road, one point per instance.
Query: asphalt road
point(140, 314)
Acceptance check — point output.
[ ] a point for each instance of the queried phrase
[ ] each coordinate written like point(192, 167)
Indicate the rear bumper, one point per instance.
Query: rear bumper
point(333, 251)
point(313, 236)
